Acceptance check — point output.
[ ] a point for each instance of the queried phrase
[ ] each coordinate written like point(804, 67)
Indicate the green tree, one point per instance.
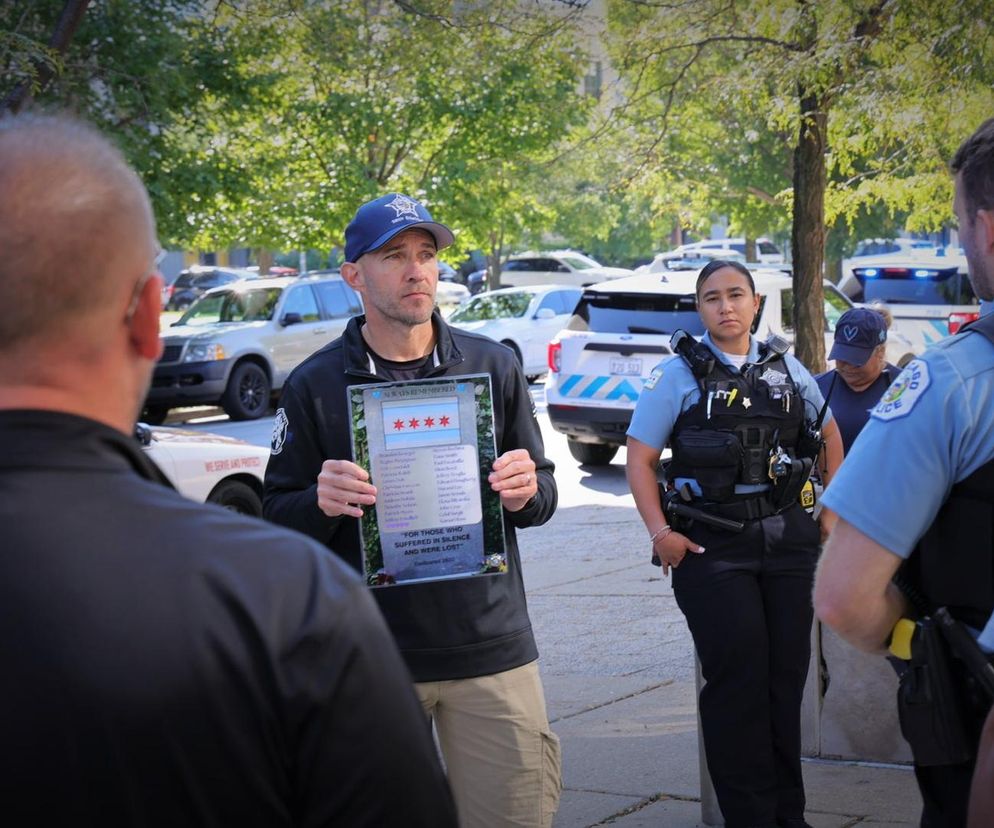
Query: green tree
point(852, 104)
point(366, 97)
point(151, 74)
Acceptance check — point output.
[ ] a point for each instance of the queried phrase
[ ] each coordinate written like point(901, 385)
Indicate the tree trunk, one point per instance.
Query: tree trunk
point(808, 231)
point(264, 258)
point(494, 255)
point(751, 253)
point(65, 28)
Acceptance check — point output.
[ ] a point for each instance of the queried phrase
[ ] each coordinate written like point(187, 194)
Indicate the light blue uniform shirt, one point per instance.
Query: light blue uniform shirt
point(932, 428)
point(672, 389)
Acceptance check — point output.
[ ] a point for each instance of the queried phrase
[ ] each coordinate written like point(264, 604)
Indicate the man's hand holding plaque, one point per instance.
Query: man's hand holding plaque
point(513, 478)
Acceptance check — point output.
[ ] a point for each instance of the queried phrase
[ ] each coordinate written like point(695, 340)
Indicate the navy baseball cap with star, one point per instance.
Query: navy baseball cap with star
point(379, 220)
point(857, 333)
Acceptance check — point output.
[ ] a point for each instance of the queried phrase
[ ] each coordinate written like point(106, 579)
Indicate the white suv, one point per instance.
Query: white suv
point(621, 330)
point(556, 267)
point(236, 344)
point(766, 251)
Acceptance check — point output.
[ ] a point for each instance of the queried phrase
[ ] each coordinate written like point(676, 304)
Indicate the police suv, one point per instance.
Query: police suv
point(929, 296)
point(620, 331)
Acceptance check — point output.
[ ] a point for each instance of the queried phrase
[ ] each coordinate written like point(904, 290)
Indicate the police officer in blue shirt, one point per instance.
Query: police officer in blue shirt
point(739, 417)
point(862, 372)
point(929, 451)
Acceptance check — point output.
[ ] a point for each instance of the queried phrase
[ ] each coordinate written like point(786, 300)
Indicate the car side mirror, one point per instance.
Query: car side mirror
point(545, 313)
point(143, 434)
point(291, 319)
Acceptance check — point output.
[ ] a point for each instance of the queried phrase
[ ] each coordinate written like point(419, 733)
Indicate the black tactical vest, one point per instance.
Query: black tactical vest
point(953, 563)
point(730, 434)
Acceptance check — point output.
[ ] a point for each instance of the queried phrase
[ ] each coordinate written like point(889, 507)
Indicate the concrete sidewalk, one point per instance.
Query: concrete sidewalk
point(618, 667)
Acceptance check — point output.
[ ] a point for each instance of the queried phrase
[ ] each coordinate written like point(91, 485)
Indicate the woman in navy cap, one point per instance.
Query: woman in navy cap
point(861, 363)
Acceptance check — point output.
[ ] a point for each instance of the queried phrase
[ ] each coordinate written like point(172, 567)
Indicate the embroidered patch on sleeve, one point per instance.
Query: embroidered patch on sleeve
point(280, 424)
point(650, 383)
point(904, 392)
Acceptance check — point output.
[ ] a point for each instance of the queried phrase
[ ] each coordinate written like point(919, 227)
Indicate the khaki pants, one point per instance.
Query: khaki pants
point(502, 759)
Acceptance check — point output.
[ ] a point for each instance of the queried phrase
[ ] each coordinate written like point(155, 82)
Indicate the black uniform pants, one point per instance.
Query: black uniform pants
point(747, 601)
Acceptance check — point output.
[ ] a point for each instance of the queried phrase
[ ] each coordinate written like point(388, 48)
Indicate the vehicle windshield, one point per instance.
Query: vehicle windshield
point(255, 305)
point(647, 313)
point(493, 306)
point(578, 263)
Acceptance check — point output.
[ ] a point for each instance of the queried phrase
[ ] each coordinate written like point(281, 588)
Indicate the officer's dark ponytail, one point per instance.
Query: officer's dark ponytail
point(718, 264)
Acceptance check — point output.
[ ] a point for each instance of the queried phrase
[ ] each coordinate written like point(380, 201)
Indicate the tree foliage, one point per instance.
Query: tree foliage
point(816, 111)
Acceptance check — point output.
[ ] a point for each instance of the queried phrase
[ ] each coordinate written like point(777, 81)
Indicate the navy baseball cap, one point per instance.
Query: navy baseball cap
point(857, 333)
point(379, 220)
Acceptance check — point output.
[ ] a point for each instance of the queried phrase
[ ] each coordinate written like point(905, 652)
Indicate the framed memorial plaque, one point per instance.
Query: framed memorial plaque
point(428, 446)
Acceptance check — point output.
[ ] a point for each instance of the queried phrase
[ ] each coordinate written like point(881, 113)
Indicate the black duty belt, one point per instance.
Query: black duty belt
point(750, 508)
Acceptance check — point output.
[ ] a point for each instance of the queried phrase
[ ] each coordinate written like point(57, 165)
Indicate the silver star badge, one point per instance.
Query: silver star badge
point(746, 402)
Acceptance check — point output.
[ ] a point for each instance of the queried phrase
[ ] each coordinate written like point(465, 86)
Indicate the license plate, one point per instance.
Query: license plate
point(626, 367)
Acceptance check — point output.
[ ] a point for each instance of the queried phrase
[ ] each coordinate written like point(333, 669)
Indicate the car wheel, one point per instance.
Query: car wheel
point(591, 454)
point(248, 392)
point(237, 496)
point(154, 414)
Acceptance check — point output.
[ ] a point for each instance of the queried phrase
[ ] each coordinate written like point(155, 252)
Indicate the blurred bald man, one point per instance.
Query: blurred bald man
point(161, 662)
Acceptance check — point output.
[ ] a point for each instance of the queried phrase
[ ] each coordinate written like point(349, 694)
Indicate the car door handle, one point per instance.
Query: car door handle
point(317, 331)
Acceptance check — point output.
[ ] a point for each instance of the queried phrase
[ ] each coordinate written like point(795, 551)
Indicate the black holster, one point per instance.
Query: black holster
point(787, 489)
point(929, 702)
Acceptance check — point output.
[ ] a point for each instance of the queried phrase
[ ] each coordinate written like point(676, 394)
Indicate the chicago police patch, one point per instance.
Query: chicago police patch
point(904, 392)
point(650, 383)
point(280, 424)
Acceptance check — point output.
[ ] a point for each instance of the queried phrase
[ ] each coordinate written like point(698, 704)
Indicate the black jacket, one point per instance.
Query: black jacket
point(448, 629)
point(167, 663)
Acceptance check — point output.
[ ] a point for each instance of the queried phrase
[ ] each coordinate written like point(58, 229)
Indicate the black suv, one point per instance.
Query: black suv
point(197, 280)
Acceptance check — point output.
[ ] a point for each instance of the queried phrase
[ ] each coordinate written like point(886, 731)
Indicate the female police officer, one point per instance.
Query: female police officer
point(740, 418)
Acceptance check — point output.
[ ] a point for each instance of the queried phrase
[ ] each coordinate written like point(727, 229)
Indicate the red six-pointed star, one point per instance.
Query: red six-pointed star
point(398, 424)
point(413, 423)
point(429, 422)
point(443, 421)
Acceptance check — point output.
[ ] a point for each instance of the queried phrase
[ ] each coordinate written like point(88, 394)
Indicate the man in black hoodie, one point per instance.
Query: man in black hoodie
point(468, 641)
point(164, 662)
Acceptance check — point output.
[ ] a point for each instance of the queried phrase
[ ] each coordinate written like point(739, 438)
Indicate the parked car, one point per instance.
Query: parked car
point(562, 267)
point(208, 467)
point(236, 344)
point(621, 330)
point(766, 251)
point(524, 319)
point(450, 295)
point(477, 281)
point(689, 260)
point(447, 273)
point(880, 251)
point(930, 297)
point(195, 281)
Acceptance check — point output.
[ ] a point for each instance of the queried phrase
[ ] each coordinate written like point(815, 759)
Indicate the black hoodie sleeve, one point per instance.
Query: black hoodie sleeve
point(521, 430)
point(290, 486)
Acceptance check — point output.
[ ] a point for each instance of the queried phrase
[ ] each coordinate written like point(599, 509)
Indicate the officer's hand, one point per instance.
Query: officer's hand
point(343, 490)
point(672, 548)
point(826, 522)
point(513, 478)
